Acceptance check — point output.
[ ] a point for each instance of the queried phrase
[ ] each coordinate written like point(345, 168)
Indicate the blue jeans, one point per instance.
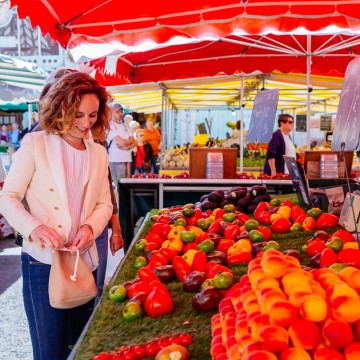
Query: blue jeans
point(153, 161)
point(52, 331)
point(102, 248)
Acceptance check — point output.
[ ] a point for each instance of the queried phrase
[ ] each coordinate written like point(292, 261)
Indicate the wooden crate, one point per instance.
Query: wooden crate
point(197, 162)
point(312, 163)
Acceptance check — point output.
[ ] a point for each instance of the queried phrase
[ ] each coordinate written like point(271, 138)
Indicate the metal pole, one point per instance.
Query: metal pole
point(30, 115)
point(163, 127)
point(309, 89)
point(242, 124)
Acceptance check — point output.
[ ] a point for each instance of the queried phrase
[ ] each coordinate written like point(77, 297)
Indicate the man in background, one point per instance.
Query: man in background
point(153, 137)
point(119, 143)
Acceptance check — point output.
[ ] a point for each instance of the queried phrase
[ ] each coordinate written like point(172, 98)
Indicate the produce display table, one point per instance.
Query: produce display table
point(138, 196)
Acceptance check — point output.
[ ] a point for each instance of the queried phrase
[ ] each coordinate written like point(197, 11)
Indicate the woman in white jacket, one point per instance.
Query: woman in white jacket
point(63, 178)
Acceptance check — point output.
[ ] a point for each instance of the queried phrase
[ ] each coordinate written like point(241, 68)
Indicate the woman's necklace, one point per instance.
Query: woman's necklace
point(79, 146)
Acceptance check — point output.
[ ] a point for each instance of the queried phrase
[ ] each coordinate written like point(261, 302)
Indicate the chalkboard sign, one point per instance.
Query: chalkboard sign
point(325, 122)
point(347, 122)
point(263, 117)
point(301, 123)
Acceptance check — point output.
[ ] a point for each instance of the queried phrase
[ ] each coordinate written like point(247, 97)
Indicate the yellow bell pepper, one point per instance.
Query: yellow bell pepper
point(189, 256)
point(174, 233)
point(285, 211)
point(275, 217)
point(242, 245)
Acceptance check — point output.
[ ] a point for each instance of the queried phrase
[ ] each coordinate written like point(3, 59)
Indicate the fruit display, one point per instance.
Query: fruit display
point(242, 280)
point(177, 158)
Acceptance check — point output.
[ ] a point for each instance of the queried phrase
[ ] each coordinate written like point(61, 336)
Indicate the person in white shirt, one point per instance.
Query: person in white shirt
point(120, 141)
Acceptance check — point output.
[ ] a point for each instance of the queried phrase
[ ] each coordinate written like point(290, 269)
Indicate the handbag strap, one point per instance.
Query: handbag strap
point(73, 276)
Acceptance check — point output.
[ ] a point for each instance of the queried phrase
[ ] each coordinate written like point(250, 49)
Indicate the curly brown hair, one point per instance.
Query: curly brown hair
point(62, 98)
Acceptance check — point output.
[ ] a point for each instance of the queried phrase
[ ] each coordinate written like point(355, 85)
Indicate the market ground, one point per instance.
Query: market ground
point(14, 334)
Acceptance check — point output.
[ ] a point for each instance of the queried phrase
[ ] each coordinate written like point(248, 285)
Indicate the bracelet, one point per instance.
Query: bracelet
point(119, 235)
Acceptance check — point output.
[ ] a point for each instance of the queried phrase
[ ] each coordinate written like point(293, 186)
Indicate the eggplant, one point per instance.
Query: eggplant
point(165, 273)
point(260, 198)
point(216, 197)
point(257, 190)
point(244, 201)
point(224, 202)
point(251, 208)
point(235, 195)
point(315, 261)
point(293, 253)
point(217, 256)
point(193, 281)
point(207, 300)
point(215, 238)
point(208, 205)
point(140, 298)
point(238, 188)
point(204, 197)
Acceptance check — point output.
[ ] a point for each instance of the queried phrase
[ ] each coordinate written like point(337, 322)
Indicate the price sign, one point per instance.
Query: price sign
point(325, 123)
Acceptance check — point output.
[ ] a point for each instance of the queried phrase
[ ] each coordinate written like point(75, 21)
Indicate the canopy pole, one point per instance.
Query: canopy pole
point(309, 90)
point(242, 123)
point(30, 115)
point(163, 126)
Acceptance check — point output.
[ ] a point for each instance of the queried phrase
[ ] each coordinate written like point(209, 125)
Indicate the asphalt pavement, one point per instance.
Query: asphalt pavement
point(15, 341)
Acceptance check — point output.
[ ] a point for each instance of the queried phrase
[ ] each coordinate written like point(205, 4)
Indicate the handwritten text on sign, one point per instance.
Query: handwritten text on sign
point(263, 117)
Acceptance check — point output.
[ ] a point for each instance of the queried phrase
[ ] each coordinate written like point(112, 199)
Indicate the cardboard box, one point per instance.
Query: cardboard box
point(198, 158)
point(312, 163)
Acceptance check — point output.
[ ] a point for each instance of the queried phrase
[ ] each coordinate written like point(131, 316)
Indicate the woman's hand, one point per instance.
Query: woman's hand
point(116, 243)
point(84, 239)
point(47, 237)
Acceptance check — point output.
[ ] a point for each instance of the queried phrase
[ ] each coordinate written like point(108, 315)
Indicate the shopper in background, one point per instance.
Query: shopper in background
point(63, 177)
point(141, 154)
point(279, 145)
point(134, 125)
point(119, 141)
point(14, 134)
point(4, 134)
point(153, 137)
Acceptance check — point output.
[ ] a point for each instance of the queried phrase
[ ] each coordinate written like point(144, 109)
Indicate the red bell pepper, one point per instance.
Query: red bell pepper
point(225, 244)
point(300, 219)
point(309, 223)
point(193, 220)
point(350, 256)
point(214, 227)
point(214, 268)
point(328, 257)
point(243, 218)
point(151, 247)
point(151, 237)
point(198, 213)
point(168, 253)
point(231, 231)
point(288, 203)
point(158, 303)
point(189, 246)
point(158, 257)
point(239, 258)
point(296, 211)
point(160, 229)
point(141, 286)
point(262, 206)
point(327, 221)
point(181, 267)
point(264, 218)
point(147, 275)
point(219, 214)
point(266, 232)
point(344, 235)
point(159, 285)
point(200, 238)
point(280, 226)
point(164, 219)
point(199, 262)
point(315, 247)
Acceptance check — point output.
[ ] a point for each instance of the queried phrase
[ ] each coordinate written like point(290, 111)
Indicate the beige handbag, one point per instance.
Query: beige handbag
point(71, 282)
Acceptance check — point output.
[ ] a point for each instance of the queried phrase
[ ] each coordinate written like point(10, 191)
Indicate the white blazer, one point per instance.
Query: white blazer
point(37, 174)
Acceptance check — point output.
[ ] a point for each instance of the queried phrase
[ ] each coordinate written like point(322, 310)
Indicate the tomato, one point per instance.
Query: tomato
point(188, 212)
point(151, 349)
point(140, 246)
point(180, 221)
point(309, 223)
point(186, 339)
point(118, 293)
point(158, 303)
point(251, 224)
point(190, 246)
point(175, 232)
point(223, 280)
point(213, 269)
point(296, 227)
point(281, 225)
point(229, 217)
point(275, 202)
point(256, 236)
point(140, 262)
point(229, 208)
point(203, 224)
point(266, 232)
point(139, 351)
point(327, 221)
point(344, 235)
point(335, 244)
point(207, 246)
point(314, 212)
point(132, 311)
point(187, 236)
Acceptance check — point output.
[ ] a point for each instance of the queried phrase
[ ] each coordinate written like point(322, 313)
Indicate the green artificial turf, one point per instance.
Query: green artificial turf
point(108, 331)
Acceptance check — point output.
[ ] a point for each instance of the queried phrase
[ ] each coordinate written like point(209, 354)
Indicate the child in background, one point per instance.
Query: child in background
point(141, 154)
